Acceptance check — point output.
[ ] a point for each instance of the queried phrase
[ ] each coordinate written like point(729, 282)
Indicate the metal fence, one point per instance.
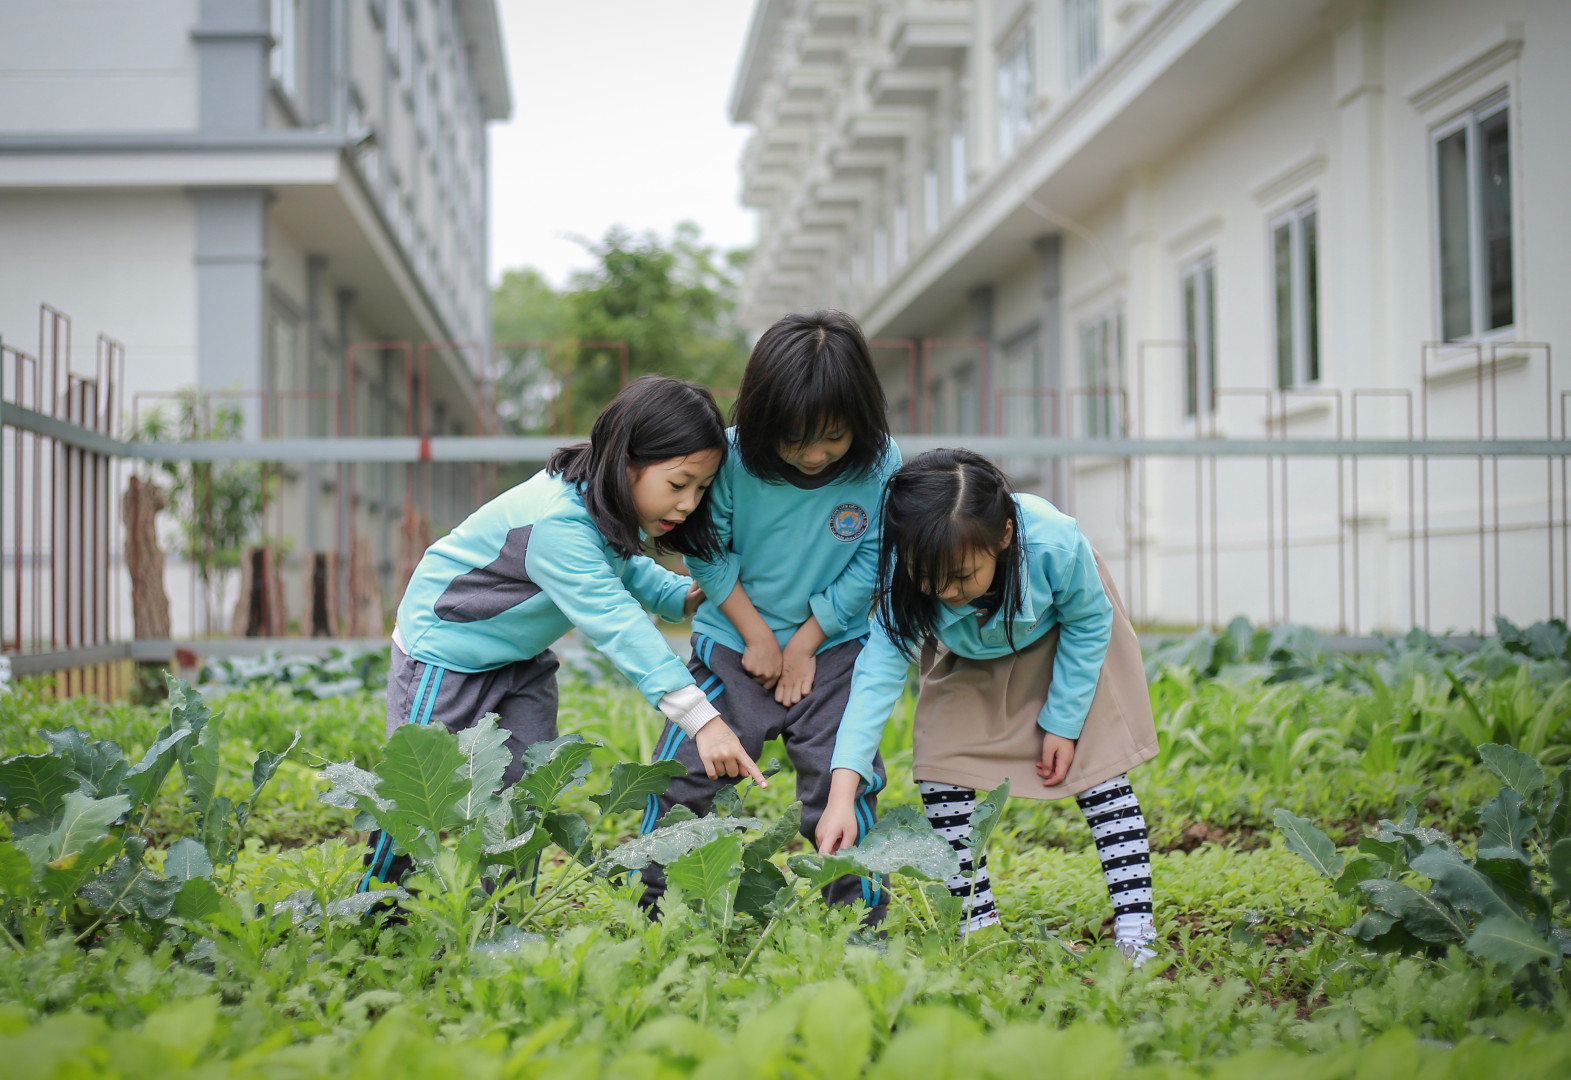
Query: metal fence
point(1308, 521)
point(1197, 526)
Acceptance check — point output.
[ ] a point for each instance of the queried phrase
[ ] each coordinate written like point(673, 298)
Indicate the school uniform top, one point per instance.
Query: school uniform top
point(799, 547)
point(525, 568)
point(1059, 587)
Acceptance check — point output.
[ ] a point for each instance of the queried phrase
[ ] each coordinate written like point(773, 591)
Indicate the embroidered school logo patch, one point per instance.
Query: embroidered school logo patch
point(848, 522)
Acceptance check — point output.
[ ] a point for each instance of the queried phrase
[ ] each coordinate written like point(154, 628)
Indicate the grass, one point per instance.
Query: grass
point(1255, 976)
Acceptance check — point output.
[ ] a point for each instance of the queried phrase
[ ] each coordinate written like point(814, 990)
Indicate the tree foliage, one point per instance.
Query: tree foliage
point(216, 507)
point(671, 300)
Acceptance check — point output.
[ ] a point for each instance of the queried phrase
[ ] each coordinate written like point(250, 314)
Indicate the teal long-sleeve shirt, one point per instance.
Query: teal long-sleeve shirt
point(1060, 587)
point(524, 569)
point(798, 548)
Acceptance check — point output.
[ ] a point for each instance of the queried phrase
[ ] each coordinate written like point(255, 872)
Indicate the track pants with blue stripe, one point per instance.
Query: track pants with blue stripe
point(807, 729)
point(522, 694)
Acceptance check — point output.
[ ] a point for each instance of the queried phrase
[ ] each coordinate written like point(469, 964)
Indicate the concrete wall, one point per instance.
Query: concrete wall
point(118, 262)
point(97, 65)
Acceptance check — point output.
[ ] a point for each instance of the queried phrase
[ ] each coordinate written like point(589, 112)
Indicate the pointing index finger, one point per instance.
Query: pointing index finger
point(753, 770)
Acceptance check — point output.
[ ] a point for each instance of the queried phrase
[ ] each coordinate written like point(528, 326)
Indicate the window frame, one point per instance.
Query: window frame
point(1303, 366)
point(968, 406)
point(1016, 89)
point(959, 151)
point(932, 212)
point(936, 404)
point(1017, 408)
point(1200, 361)
point(1470, 121)
point(283, 59)
point(899, 235)
point(1100, 418)
point(1082, 39)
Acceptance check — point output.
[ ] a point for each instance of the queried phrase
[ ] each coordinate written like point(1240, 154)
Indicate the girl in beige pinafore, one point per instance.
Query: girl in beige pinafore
point(1030, 673)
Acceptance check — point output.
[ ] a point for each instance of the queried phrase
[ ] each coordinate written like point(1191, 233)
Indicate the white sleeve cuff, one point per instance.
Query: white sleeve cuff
point(688, 708)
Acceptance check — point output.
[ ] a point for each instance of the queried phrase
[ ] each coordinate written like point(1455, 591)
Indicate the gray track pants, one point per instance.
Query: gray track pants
point(808, 730)
point(522, 694)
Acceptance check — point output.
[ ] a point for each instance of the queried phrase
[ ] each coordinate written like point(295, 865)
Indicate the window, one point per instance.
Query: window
point(393, 28)
point(1102, 370)
point(899, 234)
point(285, 378)
point(900, 416)
point(967, 407)
point(284, 61)
point(1473, 200)
point(1014, 92)
point(1295, 269)
point(406, 46)
point(1019, 403)
point(930, 196)
point(1198, 286)
point(362, 137)
point(937, 413)
point(957, 161)
point(1082, 38)
point(880, 255)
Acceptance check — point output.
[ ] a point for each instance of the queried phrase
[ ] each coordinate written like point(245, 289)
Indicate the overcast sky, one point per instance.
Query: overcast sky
point(619, 116)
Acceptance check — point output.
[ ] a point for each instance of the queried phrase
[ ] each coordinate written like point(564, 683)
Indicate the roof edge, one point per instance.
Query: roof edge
point(487, 59)
point(752, 72)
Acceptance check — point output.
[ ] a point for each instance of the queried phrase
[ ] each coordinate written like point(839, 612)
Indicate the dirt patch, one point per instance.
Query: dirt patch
point(1238, 837)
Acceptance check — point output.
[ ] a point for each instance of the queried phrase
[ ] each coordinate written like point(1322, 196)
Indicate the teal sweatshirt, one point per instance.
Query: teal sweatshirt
point(1060, 587)
point(525, 568)
point(808, 546)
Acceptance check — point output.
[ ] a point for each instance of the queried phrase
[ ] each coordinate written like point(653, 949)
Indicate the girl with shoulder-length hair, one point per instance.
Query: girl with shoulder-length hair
point(786, 608)
point(559, 551)
point(1030, 674)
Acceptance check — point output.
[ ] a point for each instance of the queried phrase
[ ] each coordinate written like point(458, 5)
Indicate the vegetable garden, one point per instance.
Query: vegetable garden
point(1363, 868)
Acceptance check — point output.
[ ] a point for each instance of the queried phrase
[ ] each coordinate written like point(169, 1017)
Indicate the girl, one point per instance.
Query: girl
point(562, 550)
point(789, 592)
point(1030, 672)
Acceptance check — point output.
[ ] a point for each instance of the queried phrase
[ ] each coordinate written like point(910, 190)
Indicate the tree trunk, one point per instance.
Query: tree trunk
point(365, 592)
point(414, 536)
point(324, 594)
point(139, 507)
point(260, 609)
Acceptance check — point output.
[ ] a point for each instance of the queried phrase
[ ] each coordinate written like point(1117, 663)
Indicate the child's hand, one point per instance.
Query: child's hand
point(796, 675)
point(722, 753)
point(837, 828)
point(1057, 753)
point(695, 596)
point(762, 660)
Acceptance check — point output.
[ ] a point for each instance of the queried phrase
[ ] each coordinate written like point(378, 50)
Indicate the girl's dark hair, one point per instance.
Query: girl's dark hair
point(940, 507)
point(654, 419)
point(809, 372)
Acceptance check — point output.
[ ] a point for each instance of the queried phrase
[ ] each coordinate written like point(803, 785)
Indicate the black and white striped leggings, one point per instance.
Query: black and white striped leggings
point(1117, 825)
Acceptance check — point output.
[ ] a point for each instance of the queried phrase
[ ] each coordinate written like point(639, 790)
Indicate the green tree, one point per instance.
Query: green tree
point(672, 301)
point(217, 507)
point(525, 308)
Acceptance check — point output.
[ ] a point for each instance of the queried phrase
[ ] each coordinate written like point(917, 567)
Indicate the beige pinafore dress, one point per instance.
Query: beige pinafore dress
point(975, 720)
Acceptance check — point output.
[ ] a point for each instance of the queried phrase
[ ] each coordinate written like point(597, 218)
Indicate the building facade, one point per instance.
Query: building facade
point(1245, 218)
point(240, 191)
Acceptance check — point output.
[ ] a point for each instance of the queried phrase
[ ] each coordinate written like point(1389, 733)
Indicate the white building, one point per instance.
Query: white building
point(239, 190)
point(1195, 217)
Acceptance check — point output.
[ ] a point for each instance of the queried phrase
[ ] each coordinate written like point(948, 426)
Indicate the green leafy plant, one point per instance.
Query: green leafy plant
point(1506, 904)
point(77, 818)
point(341, 673)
